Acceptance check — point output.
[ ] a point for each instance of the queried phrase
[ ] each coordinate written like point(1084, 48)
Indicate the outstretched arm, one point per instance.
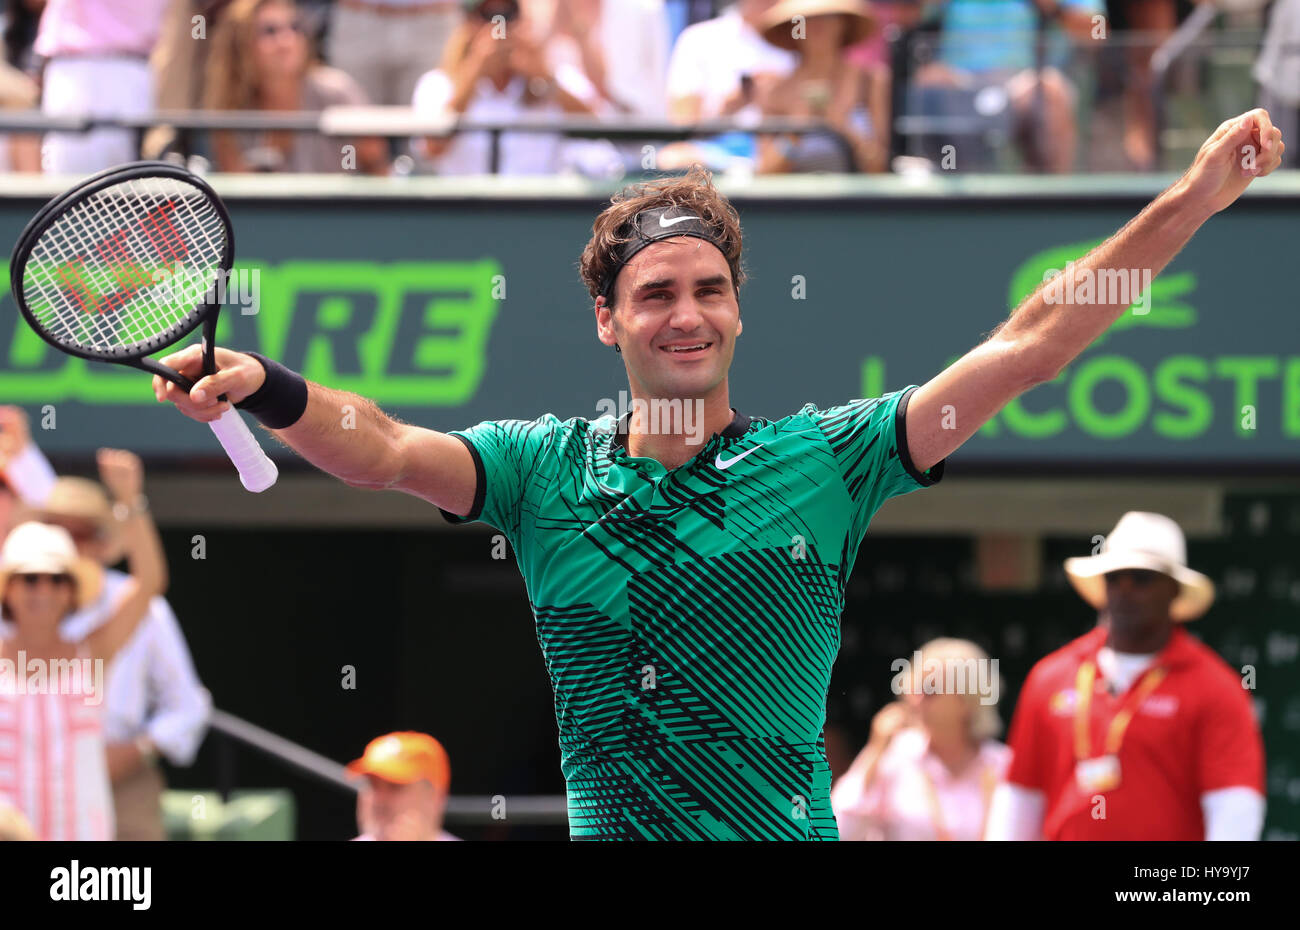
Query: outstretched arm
point(341, 433)
point(123, 475)
point(1046, 332)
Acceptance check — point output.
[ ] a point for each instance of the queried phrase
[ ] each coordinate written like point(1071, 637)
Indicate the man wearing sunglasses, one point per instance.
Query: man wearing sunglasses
point(1135, 730)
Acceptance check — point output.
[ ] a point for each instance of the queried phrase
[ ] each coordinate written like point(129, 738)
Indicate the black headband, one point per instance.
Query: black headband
point(649, 227)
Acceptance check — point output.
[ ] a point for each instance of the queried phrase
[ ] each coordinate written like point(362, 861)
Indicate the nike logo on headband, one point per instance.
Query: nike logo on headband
point(664, 222)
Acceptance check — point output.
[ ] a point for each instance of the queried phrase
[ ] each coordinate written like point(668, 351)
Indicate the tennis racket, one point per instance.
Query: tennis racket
point(126, 263)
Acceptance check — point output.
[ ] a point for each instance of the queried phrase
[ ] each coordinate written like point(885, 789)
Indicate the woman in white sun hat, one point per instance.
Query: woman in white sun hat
point(1135, 730)
point(53, 767)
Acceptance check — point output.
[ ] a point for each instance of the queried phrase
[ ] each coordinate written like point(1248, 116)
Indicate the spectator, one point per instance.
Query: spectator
point(19, 83)
point(717, 69)
point(260, 60)
point(1278, 72)
point(991, 43)
point(498, 71)
point(22, 21)
point(580, 34)
point(1149, 23)
point(931, 765)
point(53, 763)
point(684, 13)
point(711, 61)
point(825, 86)
point(386, 45)
point(893, 16)
point(632, 79)
point(1135, 730)
point(407, 776)
point(179, 62)
point(96, 64)
point(25, 476)
point(154, 703)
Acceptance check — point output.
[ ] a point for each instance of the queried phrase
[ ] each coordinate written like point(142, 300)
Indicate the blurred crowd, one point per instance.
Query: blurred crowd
point(962, 72)
point(97, 684)
point(96, 681)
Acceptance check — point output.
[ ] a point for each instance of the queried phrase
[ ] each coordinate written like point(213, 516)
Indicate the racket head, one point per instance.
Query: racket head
point(124, 264)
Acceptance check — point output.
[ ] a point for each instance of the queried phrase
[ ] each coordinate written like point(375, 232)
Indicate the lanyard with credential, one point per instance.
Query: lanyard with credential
point(988, 782)
point(1083, 703)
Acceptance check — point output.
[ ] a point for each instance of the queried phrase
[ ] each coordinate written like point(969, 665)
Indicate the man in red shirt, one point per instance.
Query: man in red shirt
point(1135, 730)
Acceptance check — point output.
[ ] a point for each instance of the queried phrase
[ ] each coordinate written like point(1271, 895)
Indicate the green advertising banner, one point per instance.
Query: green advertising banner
point(448, 312)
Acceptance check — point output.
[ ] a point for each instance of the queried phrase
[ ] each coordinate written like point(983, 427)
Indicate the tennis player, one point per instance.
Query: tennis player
point(687, 593)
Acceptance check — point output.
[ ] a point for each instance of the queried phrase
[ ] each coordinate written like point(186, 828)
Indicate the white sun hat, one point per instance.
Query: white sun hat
point(42, 549)
point(1149, 541)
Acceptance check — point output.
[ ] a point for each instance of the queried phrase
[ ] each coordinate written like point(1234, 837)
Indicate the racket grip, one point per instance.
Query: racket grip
point(256, 471)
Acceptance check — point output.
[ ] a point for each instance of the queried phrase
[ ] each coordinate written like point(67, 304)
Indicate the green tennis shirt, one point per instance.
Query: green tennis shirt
point(689, 617)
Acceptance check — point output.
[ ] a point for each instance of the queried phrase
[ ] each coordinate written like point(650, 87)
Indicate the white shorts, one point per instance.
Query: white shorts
point(94, 86)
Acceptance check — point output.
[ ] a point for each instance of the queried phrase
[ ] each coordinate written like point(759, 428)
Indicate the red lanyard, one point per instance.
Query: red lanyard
point(1119, 723)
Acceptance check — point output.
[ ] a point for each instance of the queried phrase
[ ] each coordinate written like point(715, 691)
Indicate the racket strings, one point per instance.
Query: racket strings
point(126, 265)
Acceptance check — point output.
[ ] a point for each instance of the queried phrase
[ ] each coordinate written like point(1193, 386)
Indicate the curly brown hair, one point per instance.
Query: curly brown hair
point(694, 191)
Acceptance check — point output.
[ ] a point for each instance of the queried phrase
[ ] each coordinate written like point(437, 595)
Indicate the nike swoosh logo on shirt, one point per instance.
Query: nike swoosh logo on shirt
point(665, 223)
point(724, 464)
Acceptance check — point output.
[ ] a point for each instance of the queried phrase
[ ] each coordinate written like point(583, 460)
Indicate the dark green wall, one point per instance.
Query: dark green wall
point(442, 640)
point(450, 312)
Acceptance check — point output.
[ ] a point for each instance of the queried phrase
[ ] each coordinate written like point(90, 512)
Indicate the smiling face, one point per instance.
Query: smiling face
point(675, 318)
point(37, 602)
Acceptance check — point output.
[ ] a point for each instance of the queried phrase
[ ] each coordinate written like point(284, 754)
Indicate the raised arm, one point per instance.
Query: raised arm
point(1046, 332)
point(123, 475)
point(341, 433)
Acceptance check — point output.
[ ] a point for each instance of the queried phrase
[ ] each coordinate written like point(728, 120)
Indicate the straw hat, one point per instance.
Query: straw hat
point(39, 548)
point(1149, 541)
point(777, 23)
point(77, 499)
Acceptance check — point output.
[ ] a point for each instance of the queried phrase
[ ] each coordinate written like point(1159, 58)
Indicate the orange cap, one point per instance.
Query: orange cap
point(405, 758)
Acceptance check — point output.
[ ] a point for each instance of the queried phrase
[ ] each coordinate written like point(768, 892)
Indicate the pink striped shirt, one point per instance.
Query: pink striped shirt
point(53, 764)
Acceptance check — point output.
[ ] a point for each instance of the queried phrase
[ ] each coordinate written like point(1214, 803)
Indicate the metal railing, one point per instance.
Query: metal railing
point(550, 810)
point(1199, 73)
point(403, 122)
point(1188, 34)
